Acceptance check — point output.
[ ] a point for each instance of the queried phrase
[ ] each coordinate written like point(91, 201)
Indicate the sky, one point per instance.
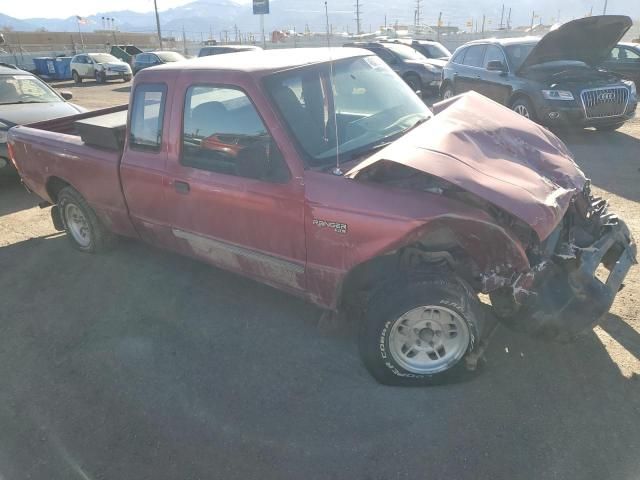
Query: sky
point(66, 8)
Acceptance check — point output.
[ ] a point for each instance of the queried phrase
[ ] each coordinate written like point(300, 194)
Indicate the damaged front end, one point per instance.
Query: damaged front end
point(576, 273)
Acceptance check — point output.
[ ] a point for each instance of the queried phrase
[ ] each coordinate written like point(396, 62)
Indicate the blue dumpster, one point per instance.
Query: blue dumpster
point(45, 66)
point(62, 66)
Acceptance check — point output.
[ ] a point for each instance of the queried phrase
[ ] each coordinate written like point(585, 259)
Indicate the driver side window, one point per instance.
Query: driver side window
point(223, 133)
point(494, 54)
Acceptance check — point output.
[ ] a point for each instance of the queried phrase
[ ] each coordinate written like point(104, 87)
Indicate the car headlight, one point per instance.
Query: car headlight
point(557, 94)
point(632, 86)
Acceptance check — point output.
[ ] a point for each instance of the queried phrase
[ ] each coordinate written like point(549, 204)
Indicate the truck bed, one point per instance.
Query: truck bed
point(51, 153)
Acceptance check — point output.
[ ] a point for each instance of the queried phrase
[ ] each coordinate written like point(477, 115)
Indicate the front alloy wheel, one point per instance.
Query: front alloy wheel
point(428, 339)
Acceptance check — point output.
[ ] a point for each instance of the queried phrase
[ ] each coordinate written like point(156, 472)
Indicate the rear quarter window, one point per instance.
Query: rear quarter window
point(147, 114)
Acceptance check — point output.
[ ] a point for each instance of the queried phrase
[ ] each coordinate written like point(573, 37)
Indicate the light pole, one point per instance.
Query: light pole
point(155, 5)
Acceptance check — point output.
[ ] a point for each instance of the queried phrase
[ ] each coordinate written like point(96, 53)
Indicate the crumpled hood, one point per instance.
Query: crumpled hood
point(494, 153)
point(587, 40)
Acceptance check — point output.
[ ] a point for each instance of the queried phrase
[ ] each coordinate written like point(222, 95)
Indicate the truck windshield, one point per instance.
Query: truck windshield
point(363, 104)
point(25, 89)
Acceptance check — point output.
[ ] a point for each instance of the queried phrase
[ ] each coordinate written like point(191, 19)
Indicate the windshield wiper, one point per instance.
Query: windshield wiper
point(418, 123)
point(370, 150)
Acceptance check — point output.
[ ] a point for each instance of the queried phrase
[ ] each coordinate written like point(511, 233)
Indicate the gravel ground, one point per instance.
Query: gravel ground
point(143, 364)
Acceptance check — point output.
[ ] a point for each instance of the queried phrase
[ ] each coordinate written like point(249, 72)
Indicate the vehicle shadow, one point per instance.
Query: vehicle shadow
point(139, 353)
point(610, 159)
point(13, 196)
point(123, 89)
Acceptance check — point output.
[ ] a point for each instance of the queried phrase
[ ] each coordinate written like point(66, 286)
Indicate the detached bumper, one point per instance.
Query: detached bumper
point(567, 296)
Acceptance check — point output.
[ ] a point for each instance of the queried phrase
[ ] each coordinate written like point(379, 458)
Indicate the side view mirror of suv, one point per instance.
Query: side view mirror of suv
point(496, 66)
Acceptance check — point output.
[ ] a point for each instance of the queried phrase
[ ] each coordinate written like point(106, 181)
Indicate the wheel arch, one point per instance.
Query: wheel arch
point(459, 245)
point(53, 187)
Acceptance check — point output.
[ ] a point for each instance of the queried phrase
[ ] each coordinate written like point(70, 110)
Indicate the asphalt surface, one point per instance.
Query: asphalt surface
point(140, 364)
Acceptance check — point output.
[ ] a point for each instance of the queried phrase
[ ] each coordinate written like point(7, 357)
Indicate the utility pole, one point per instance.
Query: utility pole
point(483, 20)
point(184, 41)
point(418, 12)
point(533, 16)
point(604, 10)
point(358, 14)
point(439, 24)
point(155, 6)
point(502, 18)
point(509, 20)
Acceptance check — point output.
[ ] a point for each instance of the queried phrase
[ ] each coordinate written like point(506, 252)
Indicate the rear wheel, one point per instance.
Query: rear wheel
point(522, 106)
point(76, 77)
point(84, 229)
point(418, 333)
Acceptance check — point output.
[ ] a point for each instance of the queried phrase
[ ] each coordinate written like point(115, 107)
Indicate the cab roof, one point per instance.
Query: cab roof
point(264, 60)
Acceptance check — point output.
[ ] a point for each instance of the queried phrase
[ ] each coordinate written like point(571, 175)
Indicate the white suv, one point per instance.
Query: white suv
point(100, 66)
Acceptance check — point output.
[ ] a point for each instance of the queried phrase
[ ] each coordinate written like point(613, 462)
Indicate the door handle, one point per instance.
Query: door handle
point(181, 187)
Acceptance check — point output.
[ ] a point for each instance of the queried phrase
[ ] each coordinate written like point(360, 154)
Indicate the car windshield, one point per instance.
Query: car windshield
point(25, 89)
point(103, 58)
point(518, 52)
point(362, 105)
point(170, 56)
point(404, 51)
point(435, 50)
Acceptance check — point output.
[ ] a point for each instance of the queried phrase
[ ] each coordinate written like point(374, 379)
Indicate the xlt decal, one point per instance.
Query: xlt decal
point(338, 227)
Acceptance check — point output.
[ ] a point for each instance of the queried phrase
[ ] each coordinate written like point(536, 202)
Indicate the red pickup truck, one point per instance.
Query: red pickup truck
point(322, 174)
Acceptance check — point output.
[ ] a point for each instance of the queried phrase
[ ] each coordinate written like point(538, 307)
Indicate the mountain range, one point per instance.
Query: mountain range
point(200, 17)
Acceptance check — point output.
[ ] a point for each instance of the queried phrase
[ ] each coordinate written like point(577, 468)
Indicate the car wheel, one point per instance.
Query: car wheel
point(84, 229)
point(100, 78)
point(126, 78)
point(414, 82)
point(418, 333)
point(447, 92)
point(76, 78)
point(522, 106)
point(609, 128)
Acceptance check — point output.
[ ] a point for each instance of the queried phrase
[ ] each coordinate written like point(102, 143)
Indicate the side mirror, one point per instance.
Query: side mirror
point(496, 66)
point(66, 95)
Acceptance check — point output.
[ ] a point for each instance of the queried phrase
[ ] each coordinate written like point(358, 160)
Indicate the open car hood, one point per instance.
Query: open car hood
point(587, 40)
point(494, 153)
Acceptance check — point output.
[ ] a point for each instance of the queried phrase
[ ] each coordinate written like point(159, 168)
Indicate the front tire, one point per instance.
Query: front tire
point(522, 106)
point(84, 229)
point(418, 333)
point(414, 82)
point(77, 79)
point(100, 77)
point(447, 92)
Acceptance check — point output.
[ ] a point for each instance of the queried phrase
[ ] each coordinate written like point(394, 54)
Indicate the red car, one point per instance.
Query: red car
point(354, 195)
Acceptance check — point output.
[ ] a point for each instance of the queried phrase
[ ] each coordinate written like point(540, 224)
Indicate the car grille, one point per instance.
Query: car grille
point(605, 102)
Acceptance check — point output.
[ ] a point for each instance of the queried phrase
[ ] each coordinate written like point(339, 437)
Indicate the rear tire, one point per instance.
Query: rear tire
point(417, 333)
point(84, 229)
point(522, 106)
point(77, 79)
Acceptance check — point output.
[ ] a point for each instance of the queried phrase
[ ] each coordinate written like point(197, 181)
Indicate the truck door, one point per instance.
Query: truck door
point(143, 164)
point(230, 197)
